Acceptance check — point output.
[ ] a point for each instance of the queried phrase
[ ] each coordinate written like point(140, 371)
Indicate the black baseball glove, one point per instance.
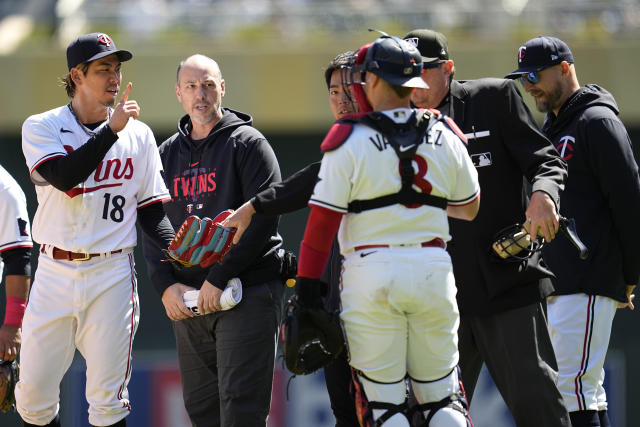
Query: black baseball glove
point(312, 336)
point(8, 379)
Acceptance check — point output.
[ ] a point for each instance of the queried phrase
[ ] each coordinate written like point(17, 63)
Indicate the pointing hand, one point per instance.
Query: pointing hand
point(123, 111)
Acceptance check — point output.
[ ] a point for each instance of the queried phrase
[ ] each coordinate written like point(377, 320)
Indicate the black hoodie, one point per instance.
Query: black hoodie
point(602, 194)
point(228, 167)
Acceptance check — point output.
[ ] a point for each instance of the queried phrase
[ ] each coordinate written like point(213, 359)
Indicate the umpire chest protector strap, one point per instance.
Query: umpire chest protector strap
point(405, 139)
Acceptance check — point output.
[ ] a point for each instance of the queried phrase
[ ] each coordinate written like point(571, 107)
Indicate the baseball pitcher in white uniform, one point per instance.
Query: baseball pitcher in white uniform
point(388, 180)
point(15, 260)
point(96, 169)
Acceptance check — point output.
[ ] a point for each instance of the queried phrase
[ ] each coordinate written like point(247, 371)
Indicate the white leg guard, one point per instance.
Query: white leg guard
point(442, 401)
point(380, 404)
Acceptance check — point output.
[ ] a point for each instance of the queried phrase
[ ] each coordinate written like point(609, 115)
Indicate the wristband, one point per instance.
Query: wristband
point(15, 311)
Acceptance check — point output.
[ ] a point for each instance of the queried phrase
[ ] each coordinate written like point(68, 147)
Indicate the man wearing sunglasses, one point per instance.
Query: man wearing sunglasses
point(602, 194)
point(502, 321)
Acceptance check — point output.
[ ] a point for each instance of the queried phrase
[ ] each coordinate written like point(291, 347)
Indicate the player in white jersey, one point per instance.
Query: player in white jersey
point(15, 260)
point(388, 180)
point(96, 170)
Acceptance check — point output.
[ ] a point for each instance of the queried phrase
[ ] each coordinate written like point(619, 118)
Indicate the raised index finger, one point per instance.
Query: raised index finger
point(125, 94)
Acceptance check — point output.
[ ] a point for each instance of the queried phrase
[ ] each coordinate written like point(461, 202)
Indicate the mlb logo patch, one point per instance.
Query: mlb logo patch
point(481, 159)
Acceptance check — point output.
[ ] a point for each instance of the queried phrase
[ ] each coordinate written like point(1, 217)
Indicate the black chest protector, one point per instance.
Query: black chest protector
point(405, 139)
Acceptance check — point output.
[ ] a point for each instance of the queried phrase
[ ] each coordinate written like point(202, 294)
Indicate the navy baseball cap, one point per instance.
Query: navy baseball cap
point(90, 47)
point(539, 53)
point(395, 61)
point(433, 46)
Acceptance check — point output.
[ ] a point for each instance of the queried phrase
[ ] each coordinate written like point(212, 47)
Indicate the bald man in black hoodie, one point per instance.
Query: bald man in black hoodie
point(217, 160)
point(602, 194)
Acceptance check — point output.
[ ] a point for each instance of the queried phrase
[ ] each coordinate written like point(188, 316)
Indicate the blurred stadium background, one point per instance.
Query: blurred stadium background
point(272, 54)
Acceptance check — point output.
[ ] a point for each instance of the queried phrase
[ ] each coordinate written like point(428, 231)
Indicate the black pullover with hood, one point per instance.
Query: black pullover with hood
point(602, 194)
point(206, 177)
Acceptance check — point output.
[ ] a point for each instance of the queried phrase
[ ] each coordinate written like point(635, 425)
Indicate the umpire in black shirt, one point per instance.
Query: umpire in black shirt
point(501, 303)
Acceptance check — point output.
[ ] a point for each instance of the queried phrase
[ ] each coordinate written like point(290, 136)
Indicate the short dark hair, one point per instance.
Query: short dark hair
point(401, 91)
point(342, 59)
point(67, 81)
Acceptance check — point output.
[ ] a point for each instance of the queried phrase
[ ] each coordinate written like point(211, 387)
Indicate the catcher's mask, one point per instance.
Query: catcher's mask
point(394, 60)
point(353, 80)
point(513, 243)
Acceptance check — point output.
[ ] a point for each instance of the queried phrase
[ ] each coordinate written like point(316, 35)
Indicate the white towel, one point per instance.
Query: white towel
point(230, 297)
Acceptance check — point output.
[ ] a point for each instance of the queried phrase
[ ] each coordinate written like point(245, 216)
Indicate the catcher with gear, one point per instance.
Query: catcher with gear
point(8, 378)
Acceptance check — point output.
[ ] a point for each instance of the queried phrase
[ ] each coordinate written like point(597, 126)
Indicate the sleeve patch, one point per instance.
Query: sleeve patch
point(336, 136)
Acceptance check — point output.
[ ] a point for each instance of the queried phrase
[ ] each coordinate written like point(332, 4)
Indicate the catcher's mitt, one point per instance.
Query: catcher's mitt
point(201, 241)
point(8, 379)
point(312, 337)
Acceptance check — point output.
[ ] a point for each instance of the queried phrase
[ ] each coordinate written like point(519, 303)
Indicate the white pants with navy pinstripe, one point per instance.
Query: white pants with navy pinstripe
point(580, 328)
point(91, 306)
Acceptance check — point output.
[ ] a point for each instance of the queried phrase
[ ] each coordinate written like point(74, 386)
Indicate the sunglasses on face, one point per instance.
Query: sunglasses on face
point(426, 66)
point(532, 77)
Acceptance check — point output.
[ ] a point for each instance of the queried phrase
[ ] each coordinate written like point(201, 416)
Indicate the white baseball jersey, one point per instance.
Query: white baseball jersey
point(398, 303)
point(98, 215)
point(365, 167)
point(14, 219)
point(91, 305)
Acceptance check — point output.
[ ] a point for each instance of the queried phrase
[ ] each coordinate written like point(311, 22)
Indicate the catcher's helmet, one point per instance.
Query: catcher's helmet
point(395, 61)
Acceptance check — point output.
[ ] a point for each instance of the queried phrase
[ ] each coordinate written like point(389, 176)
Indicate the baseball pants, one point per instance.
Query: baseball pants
point(88, 305)
point(226, 359)
point(399, 313)
point(517, 350)
point(580, 327)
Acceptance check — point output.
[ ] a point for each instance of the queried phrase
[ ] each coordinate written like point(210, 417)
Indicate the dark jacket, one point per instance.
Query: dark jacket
point(602, 194)
point(291, 195)
point(505, 145)
point(233, 163)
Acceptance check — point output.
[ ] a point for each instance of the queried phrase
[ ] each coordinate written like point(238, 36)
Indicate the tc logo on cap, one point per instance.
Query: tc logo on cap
point(105, 40)
point(521, 53)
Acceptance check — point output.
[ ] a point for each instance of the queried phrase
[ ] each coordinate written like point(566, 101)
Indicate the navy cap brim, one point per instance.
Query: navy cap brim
point(123, 55)
point(524, 70)
point(411, 82)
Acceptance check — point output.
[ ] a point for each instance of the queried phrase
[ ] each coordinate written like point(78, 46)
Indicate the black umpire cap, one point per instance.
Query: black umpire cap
point(90, 47)
point(395, 61)
point(432, 45)
point(539, 53)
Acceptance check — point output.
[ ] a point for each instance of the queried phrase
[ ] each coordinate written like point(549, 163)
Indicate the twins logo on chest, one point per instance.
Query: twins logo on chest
point(192, 182)
point(107, 170)
point(565, 147)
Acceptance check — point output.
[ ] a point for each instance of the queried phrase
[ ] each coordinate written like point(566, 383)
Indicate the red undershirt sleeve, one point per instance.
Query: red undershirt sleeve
point(322, 227)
